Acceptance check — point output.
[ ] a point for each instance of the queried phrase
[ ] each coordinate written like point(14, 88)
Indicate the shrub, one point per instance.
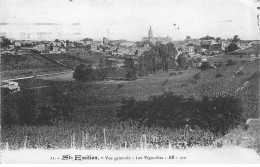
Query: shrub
point(84, 73)
point(173, 74)
point(230, 62)
point(219, 75)
point(206, 65)
point(239, 73)
point(131, 75)
point(184, 85)
point(120, 86)
point(192, 81)
point(197, 76)
point(218, 114)
point(218, 65)
point(180, 73)
point(142, 73)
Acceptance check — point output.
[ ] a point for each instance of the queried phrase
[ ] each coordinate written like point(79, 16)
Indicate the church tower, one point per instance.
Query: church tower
point(150, 34)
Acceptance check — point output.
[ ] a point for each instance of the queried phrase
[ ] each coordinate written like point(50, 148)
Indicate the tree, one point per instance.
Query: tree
point(197, 49)
point(232, 47)
point(84, 73)
point(235, 39)
point(51, 46)
point(87, 39)
point(67, 42)
point(136, 52)
point(57, 40)
point(104, 68)
point(88, 47)
point(218, 39)
point(131, 72)
point(182, 60)
point(5, 42)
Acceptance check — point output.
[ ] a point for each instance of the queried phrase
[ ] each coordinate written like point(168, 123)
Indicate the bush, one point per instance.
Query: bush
point(131, 75)
point(180, 73)
point(192, 81)
point(206, 65)
point(197, 76)
point(184, 85)
point(218, 65)
point(120, 86)
point(239, 73)
point(217, 114)
point(173, 74)
point(230, 62)
point(219, 75)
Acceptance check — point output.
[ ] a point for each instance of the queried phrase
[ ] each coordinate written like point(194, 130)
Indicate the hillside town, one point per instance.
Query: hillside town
point(117, 50)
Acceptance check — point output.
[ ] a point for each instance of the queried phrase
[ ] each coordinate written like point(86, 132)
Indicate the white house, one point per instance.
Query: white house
point(13, 86)
point(17, 44)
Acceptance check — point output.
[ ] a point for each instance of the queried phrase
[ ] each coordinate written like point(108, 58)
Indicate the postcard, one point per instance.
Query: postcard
point(130, 81)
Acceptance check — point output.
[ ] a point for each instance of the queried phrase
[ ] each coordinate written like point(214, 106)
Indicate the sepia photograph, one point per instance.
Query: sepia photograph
point(130, 82)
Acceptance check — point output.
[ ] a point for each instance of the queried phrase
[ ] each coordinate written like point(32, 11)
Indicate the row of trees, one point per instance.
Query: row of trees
point(159, 57)
point(86, 73)
point(218, 114)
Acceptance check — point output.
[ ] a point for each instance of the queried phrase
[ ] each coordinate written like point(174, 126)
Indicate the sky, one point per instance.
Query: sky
point(128, 19)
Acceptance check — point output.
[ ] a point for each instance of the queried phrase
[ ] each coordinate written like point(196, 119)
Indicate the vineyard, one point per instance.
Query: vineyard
point(124, 135)
point(94, 108)
point(26, 65)
point(74, 58)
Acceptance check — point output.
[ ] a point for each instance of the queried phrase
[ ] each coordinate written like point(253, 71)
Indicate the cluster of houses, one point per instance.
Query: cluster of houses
point(121, 48)
point(209, 47)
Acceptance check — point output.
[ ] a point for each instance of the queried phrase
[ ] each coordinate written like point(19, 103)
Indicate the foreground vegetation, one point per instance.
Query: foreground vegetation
point(49, 116)
point(123, 135)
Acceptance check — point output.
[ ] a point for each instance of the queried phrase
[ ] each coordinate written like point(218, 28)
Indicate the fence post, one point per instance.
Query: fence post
point(170, 146)
point(95, 137)
point(144, 136)
point(71, 145)
point(141, 142)
point(82, 141)
point(86, 138)
point(7, 146)
point(73, 140)
point(105, 141)
point(25, 142)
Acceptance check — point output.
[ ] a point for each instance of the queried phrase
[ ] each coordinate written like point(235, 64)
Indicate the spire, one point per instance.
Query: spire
point(150, 34)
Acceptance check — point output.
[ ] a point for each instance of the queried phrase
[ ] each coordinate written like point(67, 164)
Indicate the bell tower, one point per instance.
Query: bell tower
point(150, 34)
